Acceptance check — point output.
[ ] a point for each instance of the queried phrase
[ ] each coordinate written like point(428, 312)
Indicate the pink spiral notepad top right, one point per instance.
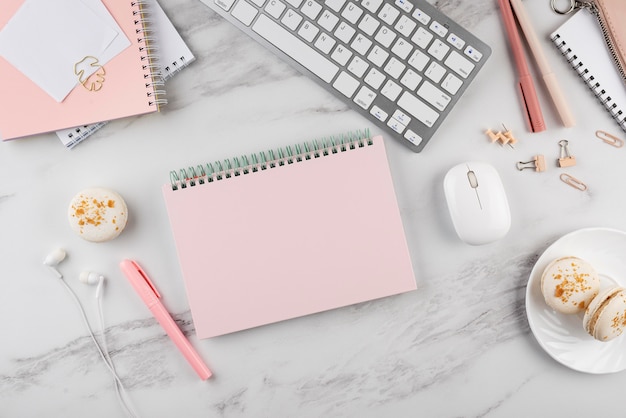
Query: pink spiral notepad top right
point(278, 235)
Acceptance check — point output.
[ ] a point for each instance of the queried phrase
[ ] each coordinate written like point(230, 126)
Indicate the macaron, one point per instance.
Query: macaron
point(605, 318)
point(569, 284)
point(98, 214)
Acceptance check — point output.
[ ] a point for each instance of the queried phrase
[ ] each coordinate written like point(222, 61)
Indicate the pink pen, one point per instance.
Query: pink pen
point(151, 297)
point(533, 114)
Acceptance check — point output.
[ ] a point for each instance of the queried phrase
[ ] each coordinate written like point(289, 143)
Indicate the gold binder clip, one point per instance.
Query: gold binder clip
point(573, 182)
point(538, 163)
point(610, 139)
point(566, 160)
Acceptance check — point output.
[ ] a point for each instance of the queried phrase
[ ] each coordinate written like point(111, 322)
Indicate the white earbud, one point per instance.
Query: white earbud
point(89, 277)
point(54, 258)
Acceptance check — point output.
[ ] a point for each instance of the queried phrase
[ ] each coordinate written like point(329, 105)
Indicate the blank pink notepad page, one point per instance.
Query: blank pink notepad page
point(290, 241)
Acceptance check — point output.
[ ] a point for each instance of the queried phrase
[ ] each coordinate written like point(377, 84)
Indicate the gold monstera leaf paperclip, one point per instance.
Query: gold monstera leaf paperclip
point(95, 81)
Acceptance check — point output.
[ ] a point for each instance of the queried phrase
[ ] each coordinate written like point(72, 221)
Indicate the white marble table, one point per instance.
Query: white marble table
point(460, 345)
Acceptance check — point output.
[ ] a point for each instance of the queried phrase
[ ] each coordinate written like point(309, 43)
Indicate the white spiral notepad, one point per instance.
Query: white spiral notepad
point(581, 43)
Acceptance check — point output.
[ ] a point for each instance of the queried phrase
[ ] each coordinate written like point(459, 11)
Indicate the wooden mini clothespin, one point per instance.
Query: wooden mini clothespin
point(538, 163)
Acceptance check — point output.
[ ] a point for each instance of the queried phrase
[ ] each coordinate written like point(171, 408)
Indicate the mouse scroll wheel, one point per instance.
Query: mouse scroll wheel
point(472, 179)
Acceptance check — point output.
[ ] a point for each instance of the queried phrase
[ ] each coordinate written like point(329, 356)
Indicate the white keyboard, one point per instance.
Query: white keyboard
point(403, 64)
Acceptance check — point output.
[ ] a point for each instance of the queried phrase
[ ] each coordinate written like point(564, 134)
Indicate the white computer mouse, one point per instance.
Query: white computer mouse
point(477, 202)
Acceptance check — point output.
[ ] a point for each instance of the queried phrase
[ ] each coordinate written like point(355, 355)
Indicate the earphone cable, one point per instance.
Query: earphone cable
point(93, 338)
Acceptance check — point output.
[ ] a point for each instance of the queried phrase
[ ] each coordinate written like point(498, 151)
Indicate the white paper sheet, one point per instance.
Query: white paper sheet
point(45, 39)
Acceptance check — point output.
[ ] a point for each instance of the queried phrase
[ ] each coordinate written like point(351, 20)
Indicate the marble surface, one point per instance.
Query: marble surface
point(460, 345)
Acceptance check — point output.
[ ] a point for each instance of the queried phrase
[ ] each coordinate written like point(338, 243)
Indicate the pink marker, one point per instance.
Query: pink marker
point(533, 114)
point(151, 297)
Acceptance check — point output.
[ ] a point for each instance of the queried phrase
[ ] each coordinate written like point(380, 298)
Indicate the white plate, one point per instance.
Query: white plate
point(563, 336)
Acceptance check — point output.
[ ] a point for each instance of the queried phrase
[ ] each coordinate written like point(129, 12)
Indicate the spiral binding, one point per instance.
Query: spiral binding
point(246, 164)
point(590, 80)
point(149, 54)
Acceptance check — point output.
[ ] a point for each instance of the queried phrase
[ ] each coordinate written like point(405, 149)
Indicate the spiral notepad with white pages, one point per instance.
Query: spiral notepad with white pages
point(580, 41)
point(286, 233)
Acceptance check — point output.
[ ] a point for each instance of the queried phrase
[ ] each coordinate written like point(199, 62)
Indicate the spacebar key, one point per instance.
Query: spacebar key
point(295, 48)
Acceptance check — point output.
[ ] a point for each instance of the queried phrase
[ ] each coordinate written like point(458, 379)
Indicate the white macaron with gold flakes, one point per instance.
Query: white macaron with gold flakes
point(98, 214)
point(569, 284)
point(605, 318)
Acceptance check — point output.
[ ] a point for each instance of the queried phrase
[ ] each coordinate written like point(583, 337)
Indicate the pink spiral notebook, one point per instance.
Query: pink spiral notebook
point(131, 84)
point(283, 234)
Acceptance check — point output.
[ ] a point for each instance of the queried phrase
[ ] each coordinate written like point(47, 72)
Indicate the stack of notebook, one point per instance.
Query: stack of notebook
point(88, 62)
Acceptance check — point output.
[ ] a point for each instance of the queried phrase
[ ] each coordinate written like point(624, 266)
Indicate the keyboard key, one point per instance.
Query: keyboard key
point(378, 56)
point(394, 68)
point(346, 84)
point(433, 95)
point(344, 32)
point(459, 65)
point(374, 78)
point(413, 137)
point(358, 66)
point(295, 48)
point(364, 97)
point(335, 5)
point(473, 53)
point(389, 14)
point(275, 8)
point(372, 5)
point(352, 13)
point(308, 31)
point(361, 44)
point(378, 113)
point(405, 5)
point(418, 109)
point(422, 37)
point(411, 79)
point(435, 72)
point(341, 55)
point(325, 43)
point(438, 28)
point(457, 42)
point(402, 48)
point(259, 3)
point(291, 19)
point(419, 60)
point(369, 24)
point(244, 12)
point(391, 90)
point(438, 49)
point(451, 83)
point(421, 17)
point(401, 117)
point(405, 26)
point(396, 126)
point(311, 9)
point(225, 4)
point(328, 21)
point(385, 36)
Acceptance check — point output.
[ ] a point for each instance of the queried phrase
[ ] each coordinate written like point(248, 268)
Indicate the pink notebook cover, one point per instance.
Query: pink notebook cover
point(290, 241)
point(25, 109)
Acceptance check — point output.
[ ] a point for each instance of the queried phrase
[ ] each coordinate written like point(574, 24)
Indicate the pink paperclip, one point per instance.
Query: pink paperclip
point(610, 139)
point(573, 181)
